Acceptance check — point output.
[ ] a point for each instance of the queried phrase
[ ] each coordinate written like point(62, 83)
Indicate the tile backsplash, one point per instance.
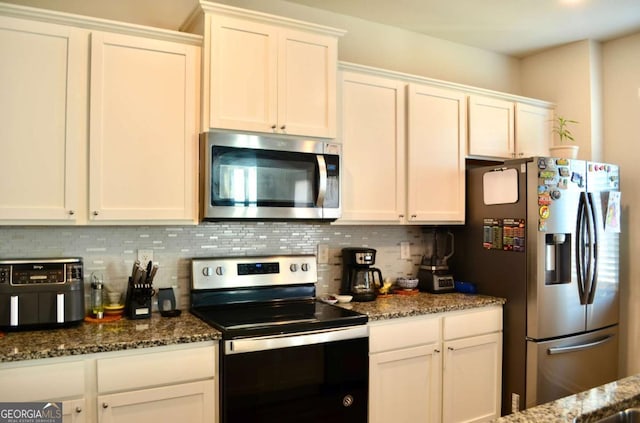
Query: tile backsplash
point(112, 250)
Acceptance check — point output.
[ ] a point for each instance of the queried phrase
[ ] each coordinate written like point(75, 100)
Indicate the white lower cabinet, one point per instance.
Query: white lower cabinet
point(161, 384)
point(471, 378)
point(188, 402)
point(405, 385)
point(437, 368)
point(73, 411)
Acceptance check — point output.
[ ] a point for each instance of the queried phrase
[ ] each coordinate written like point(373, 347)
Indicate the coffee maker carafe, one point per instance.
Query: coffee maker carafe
point(358, 277)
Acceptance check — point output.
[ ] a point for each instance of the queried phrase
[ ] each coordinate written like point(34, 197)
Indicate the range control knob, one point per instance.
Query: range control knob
point(207, 271)
point(305, 267)
point(293, 267)
point(219, 270)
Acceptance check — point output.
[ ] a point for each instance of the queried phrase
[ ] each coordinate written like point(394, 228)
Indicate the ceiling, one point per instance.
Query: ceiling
point(511, 27)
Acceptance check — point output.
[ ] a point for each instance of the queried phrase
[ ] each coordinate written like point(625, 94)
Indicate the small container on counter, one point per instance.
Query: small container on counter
point(97, 297)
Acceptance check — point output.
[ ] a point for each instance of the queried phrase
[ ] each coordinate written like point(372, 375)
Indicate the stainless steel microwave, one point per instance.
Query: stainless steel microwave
point(259, 177)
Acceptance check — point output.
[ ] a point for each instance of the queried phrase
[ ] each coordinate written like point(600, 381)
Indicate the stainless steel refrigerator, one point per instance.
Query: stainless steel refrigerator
point(544, 234)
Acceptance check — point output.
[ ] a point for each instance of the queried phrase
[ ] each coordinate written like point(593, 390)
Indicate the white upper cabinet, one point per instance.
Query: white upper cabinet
point(491, 131)
point(97, 126)
point(390, 176)
point(506, 129)
point(267, 74)
point(143, 129)
point(533, 130)
point(436, 155)
point(43, 85)
point(373, 149)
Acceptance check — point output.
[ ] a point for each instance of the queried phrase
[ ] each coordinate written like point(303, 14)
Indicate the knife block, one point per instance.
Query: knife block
point(138, 302)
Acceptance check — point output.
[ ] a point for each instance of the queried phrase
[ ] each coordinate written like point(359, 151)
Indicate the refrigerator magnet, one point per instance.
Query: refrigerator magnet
point(544, 212)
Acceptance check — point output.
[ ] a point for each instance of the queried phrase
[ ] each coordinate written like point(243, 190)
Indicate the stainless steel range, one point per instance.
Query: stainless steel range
point(285, 357)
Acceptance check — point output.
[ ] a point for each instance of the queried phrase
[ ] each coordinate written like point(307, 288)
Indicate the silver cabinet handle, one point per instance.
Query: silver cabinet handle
point(78, 409)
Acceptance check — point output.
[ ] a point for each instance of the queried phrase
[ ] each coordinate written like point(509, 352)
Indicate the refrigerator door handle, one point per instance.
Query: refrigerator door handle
point(580, 249)
point(593, 249)
point(574, 348)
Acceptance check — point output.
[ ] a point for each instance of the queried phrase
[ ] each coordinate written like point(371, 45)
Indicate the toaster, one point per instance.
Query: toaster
point(41, 293)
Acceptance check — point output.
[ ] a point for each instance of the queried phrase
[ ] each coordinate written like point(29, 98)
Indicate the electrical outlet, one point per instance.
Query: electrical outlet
point(405, 250)
point(323, 254)
point(515, 402)
point(145, 256)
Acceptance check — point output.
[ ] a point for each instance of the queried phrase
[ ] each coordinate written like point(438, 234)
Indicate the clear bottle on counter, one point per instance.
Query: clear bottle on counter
point(97, 298)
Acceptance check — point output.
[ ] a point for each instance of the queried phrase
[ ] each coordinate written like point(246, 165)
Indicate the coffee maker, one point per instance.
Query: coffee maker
point(433, 274)
point(358, 277)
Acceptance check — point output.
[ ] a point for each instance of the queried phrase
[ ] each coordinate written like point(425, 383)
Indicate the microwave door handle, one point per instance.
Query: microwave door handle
point(322, 181)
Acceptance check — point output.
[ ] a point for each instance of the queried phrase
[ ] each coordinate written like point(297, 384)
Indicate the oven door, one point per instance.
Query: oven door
point(312, 377)
point(256, 177)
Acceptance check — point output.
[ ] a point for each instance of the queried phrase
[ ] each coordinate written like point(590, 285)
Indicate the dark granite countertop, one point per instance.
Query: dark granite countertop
point(585, 407)
point(88, 338)
point(394, 306)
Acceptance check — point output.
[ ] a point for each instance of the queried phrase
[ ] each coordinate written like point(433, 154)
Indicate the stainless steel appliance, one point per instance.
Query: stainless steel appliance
point(544, 234)
point(41, 292)
point(433, 273)
point(257, 177)
point(358, 275)
point(285, 357)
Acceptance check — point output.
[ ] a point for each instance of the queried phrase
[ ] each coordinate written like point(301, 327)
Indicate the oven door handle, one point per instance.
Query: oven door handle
point(237, 346)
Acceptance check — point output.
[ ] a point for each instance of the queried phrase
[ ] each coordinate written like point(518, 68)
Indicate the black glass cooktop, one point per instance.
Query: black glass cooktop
point(270, 318)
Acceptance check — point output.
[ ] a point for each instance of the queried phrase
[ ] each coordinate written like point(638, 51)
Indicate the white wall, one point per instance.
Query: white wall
point(563, 75)
point(621, 95)
point(372, 44)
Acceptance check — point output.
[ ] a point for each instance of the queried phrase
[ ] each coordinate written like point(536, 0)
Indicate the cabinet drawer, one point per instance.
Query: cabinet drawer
point(42, 382)
point(155, 368)
point(470, 323)
point(402, 333)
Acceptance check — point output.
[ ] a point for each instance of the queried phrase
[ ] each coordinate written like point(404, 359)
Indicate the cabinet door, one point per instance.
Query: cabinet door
point(143, 129)
point(436, 155)
point(73, 411)
point(243, 75)
point(404, 385)
point(491, 127)
point(307, 66)
point(43, 86)
point(190, 402)
point(533, 130)
point(373, 149)
point(472, 379)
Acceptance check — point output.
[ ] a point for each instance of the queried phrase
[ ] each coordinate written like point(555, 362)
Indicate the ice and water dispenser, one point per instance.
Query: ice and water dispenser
point(557, 259)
